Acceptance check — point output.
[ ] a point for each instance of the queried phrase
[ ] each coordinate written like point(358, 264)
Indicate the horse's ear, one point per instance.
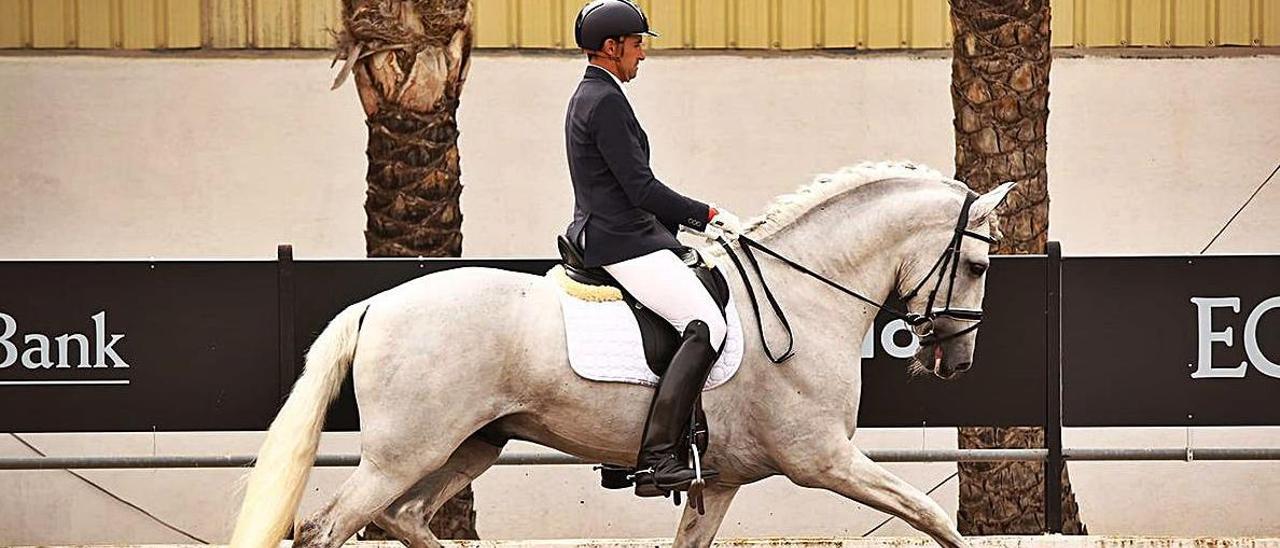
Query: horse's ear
point(987, 203)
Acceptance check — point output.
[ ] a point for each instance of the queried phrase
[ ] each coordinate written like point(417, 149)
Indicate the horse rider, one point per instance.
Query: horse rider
point(625, 220)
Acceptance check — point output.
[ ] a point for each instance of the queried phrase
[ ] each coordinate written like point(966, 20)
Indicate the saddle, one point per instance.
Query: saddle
point(660, 339)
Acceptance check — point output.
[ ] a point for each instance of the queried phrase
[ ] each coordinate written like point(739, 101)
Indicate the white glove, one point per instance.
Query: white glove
point(726, 222)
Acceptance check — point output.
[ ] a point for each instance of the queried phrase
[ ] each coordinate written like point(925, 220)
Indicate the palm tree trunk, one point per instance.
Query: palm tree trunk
point(410, 60)
point(413, 57)
point(1000, 93)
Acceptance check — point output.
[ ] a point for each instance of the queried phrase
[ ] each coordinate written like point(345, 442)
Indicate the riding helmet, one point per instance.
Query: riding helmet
point(603, 19)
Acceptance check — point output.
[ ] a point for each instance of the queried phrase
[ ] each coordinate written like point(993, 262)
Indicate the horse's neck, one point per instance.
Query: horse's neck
point(854, 244)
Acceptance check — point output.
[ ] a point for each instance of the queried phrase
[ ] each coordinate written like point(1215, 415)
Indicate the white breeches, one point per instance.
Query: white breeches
point(662, 282)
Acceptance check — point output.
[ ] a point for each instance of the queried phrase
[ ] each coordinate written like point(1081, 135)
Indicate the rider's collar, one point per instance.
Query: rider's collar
point(616, 81)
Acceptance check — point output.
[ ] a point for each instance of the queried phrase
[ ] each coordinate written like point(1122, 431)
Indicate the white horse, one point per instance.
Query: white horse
point(444, 355)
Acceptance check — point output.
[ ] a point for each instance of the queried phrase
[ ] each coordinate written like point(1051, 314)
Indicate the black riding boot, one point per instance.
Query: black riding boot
point(670, 412)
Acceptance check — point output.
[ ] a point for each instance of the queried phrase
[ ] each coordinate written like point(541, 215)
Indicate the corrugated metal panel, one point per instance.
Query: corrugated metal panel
point(1147, 23)
point(94, 25)
point(228, 23)
point(1191, 23)
point(316, 20)
point(883, 24)
point(539, 23)
point(753, 21)
point(711, 24)
point(13, 23)
point(272, 23)
point(568, 15)
point(182, 23)
point(141, 26)
point(1233, 19)
point(839, 24)
point(928, 28)
point(1103, 22)
point(1269, 24)
point(492, 23)
point(49, 24)
point(668, 18)
point(796, 24)
point(1061, 22)
point(744, 24)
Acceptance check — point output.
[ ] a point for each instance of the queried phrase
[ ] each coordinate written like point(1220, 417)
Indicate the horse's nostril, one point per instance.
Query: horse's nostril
point(964, 367)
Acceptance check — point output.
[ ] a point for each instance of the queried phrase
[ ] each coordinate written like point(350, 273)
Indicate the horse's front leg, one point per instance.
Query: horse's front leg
point(700, 530)
point(850, 473)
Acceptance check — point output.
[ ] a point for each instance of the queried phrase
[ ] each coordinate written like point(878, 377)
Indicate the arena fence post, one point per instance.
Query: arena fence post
point(1053, 401)
point(285, 285)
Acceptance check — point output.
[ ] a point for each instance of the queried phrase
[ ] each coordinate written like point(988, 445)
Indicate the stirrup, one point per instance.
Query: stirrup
point(698, 484)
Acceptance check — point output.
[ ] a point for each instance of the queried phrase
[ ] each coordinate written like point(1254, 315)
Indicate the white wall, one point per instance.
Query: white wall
point(173, 157)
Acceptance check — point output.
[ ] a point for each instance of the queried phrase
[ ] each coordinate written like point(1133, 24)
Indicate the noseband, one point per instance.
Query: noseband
point(922, 324)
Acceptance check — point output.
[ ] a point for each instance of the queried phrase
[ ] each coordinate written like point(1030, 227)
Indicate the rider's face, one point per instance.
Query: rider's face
point(630, 55)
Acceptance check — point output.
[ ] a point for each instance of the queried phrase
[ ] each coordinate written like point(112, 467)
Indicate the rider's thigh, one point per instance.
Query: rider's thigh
point(662, 282)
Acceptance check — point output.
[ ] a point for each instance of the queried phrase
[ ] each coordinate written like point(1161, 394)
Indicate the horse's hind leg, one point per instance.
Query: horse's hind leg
point(407, 517)
point(857, 477)
point(379, 480)
point(699, 530)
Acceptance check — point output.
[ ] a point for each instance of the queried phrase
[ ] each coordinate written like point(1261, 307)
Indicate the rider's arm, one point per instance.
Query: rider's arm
point(620, 146)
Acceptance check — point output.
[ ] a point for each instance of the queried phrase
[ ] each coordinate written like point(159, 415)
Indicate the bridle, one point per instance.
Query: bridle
point(922, 324)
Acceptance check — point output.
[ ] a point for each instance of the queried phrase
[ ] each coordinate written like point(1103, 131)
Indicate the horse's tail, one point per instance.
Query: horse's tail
point(278, 478)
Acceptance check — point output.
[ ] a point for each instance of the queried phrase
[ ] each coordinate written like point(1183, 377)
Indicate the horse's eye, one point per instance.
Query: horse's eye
point(977, 269)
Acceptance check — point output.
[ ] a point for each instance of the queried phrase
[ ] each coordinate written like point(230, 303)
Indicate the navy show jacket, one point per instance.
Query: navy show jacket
point(623, 209)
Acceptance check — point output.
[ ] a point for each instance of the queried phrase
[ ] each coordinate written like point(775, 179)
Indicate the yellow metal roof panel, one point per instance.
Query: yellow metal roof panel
point(928, 24)
point(272, 23)
point(315, 21)
point(182, 23)
point(1103, 22)
point(1269, 24)
point(229, 23)
point(839, 24)
point(13, 28)
point(1233, 19)
point(1191, 23)
point(49, 28)
point(139, 23)
point(539, 23)
point(884, 24)
point(796, 28)
point(493, 22)
point(1061, 22)
point(93, 24)
point(711, 24)
point(753, 24)
point(741, 24)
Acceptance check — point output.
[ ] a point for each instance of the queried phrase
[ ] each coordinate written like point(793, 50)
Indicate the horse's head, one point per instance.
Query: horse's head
point(943, 279)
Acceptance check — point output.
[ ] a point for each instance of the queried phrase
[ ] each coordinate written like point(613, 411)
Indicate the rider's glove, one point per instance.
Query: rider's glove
point(726, 222)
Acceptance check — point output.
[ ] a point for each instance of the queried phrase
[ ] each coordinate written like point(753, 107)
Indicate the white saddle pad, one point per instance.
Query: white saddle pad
point(604, 343)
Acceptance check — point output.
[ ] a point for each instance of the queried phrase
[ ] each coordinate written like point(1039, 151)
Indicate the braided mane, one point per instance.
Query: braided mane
point(785, 209)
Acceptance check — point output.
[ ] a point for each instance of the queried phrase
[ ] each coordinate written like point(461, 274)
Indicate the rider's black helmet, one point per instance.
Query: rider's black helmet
point(604, 19)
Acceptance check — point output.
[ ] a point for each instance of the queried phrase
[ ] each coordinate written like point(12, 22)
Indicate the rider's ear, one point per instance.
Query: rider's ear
point(987, 203)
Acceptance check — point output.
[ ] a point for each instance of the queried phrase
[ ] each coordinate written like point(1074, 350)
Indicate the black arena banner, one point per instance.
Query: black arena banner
point(137, 346)
point(1171, 341)
point(1005, 387)
point(215, 345)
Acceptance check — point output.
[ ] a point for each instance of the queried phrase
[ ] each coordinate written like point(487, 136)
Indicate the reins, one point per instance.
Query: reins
point(950, 257)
